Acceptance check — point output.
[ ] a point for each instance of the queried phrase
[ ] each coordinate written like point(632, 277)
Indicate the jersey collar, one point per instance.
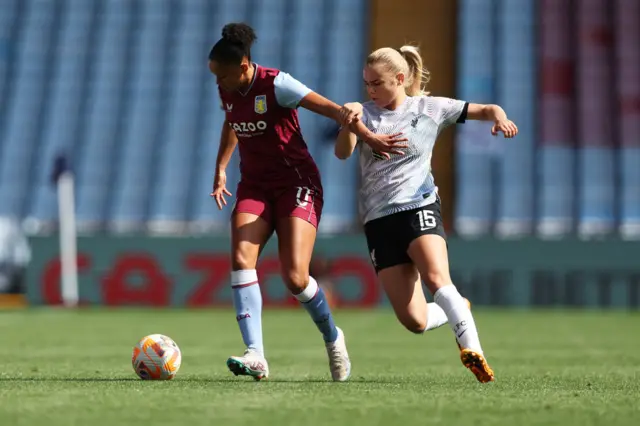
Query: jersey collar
point(255, 74)
point(402, 108)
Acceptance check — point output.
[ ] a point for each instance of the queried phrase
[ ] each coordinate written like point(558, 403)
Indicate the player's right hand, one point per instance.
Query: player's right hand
point(220, 189)
point(387, 144)
point(350, 112)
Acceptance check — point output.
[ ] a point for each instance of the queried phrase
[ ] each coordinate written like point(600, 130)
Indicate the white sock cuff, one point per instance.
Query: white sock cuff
point(436, 317)
point(309, 292)
point(244, 278)
point(446, 292)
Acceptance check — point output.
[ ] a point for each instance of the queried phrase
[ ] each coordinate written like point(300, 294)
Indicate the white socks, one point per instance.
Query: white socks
point(435, 316)
point(460, 318)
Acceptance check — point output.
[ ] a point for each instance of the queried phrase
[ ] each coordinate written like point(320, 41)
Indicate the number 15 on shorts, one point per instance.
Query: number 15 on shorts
point(426, 219)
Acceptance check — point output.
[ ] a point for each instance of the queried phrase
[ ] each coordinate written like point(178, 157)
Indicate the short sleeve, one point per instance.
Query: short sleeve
point(289, 91)
point(449, 111)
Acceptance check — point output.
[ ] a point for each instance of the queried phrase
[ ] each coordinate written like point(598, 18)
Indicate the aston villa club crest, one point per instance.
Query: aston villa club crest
point(260, 105)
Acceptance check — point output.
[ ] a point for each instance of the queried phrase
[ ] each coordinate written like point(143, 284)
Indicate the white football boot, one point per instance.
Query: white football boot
point(339, 362)
point(251, 364)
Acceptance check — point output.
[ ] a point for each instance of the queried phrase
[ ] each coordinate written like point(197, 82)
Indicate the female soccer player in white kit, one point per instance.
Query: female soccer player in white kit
point(399, 201)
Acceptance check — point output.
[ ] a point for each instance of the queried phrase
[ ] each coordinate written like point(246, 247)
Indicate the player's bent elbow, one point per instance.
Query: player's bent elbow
point(343, 150)
point(341, 154)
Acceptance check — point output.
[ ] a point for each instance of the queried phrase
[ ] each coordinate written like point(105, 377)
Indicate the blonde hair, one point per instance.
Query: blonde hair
point(406, 60)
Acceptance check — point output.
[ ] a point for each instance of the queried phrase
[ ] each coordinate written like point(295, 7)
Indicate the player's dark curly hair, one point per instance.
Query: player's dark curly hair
point(234, 45)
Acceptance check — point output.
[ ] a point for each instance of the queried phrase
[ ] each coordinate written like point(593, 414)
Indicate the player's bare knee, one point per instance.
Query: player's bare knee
point(436, 279)
point(296, 281)
point(241, 260)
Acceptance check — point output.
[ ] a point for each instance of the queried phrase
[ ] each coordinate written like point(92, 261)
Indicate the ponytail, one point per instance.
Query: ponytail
point(235, 44)
point(406, 60)
point(416, 81)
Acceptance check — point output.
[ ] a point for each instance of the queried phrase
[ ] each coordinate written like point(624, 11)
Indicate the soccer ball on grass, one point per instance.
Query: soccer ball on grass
point(156, 357)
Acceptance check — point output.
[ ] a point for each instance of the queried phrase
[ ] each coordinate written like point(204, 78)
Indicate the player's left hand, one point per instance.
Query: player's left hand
point(507, 127)
point(385, 145)
point(350, 113)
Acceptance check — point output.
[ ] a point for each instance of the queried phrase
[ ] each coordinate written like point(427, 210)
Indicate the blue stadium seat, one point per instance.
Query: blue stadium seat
point(96, 164)
point(270, 26)
point(517, 94)
point(171, 194)
point(8, 24)
point(65, 102)
point(143, 123)
point(627, 24)
point(556, 165)
point(474, 162)
point(24, 116)
point(597, 167)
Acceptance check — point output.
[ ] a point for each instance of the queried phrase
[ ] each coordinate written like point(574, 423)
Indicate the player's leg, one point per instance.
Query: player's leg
point(400, 279)
point(250, 230)
point(429, 254)
point(298, 216)
point(296, 238)
point(403, 286)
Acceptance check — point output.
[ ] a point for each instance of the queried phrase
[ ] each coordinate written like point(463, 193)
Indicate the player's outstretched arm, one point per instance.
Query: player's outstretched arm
point(496, 114)
point(228, 143)
point(323, 106)
point(384, 144)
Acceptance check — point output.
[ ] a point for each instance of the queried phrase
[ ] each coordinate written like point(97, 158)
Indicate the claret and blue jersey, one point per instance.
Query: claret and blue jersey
point(265, 120)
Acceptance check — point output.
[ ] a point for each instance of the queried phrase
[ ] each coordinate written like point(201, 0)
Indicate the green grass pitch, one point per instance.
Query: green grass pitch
point(63, 367)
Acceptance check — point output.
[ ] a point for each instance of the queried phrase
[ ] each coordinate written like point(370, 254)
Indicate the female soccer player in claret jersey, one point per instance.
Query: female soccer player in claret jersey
point(279, 190)
point(399, 201)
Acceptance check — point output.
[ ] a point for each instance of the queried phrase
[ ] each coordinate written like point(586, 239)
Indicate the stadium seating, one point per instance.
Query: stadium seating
point(122, 89)
point(63, 119)
point(96, 158)
point(26, 101)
